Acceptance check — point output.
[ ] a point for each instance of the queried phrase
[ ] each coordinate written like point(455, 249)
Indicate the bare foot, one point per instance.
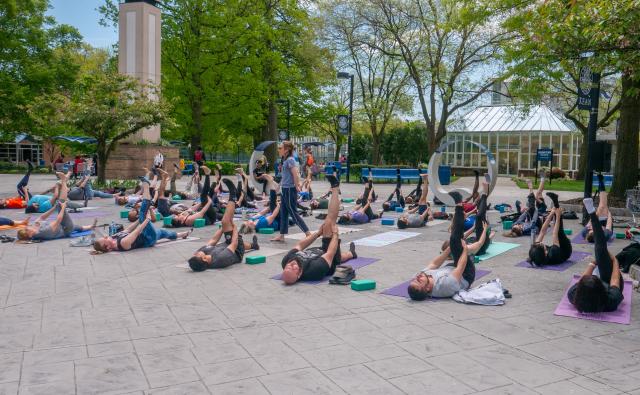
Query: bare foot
point(529, 184)
point(279, 239)
point(186, 234)
point(95, 223)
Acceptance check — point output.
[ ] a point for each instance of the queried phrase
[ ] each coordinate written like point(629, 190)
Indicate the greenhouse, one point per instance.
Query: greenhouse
point(513, 133)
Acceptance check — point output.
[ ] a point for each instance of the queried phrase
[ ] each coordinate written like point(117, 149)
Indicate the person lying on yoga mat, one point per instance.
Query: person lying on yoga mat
point(321, 203)
point(141, 234)
point(246, 196)
point(419, 216)
point(269, 216)
point(537, 196)
point(473, 246)
point(416, 195)
point(560, 250)
point(19, 201)
point(219, 256)
point(390, 204)
point(443, 281)
point(603, 213)
point(315, 263)
point(470, 204)
point(206, 208)
point(369, 191)
point(602, 291)
point(84, 191)
point(481, 222)
point(527, 222)
point(361, 214)
point(305, 194)
point(43, 203)
point(61, 227)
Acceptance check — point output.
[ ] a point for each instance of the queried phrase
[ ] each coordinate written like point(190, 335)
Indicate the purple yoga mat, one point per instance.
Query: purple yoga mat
point(89, 214)
point(354, 263)
point(620, 316)
point(576, 256)
point(578, 239)
point(401, 289)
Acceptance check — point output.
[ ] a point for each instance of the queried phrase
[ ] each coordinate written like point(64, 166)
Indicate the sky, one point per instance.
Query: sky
point(82, 14)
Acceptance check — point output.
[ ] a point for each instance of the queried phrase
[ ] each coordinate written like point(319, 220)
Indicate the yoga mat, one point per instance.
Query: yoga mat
point(167, 242)
point(620, 316)
point(11, 227)
point(81, 233)
point(266, 252)
point(384, 239)
point(341, 231)
point(356, 264)
point(496, 248)
point(576, 256)
point(578, 239)
point(436, 222)
point(401, 289)
point(83, 214)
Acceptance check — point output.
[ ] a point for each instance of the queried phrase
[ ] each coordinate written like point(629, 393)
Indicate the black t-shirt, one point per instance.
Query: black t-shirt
point(614, 297)
point(314, 267)
point(137, 243)
point(556, 256)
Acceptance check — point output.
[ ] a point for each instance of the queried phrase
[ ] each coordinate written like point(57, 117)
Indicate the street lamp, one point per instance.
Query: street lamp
point(288, 103)
point(345, 75)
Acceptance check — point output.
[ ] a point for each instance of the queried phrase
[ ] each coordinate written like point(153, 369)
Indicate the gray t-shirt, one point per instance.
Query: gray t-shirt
point(288, 167)
point(46, 232)
point(445, 285)
point(415, 221)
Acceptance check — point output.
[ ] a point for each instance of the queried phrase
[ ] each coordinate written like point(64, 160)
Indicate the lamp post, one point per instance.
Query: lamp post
point(288, 103)
point(345, 75)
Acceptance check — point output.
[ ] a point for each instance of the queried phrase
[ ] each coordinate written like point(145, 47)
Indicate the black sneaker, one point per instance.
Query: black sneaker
point(333, 180)
point(352, 250)
point(29, 166)
point(254, 243)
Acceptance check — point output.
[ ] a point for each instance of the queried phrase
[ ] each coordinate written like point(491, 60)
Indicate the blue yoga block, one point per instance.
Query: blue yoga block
point(388, 221)
point(399, 209)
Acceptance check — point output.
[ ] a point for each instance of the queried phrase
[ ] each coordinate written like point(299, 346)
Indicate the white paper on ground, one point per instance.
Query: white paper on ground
point(341, 231)
point(384, 239)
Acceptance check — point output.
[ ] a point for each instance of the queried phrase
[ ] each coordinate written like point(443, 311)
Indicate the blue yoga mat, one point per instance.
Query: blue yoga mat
point(81, 233)
point(496, 248)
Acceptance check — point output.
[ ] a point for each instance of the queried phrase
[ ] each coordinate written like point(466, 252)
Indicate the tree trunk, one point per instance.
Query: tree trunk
point(101, 151)
point(270, 132)
point(196, 132)
point(625, 174)
point(375, 149)
point(336, 156)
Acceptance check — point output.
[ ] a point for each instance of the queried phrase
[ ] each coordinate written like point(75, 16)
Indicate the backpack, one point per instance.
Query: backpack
point(343, 275)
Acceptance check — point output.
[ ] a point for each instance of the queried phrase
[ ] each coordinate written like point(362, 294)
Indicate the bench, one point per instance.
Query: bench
point(390, 173)
point(328, 168)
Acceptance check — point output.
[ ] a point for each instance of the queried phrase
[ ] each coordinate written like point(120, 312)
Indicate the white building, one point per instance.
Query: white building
point(513, 133)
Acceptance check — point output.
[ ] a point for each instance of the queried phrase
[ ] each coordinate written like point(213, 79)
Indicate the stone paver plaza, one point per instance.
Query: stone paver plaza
point(133, 323)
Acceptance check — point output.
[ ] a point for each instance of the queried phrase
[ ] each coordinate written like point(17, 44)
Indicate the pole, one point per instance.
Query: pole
point(350, 126)
point(591, 137)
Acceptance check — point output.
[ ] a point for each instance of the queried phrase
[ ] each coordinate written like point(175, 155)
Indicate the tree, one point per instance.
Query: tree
point(111, 107)
point(451, 49)
point(36, 58)
point(48, 118)
point(404, 145)
point(382, 80)
point(553, 35)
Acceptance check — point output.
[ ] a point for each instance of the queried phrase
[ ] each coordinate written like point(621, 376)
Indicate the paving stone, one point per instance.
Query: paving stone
point(225, 372)
point(334, 357)
point(240, 387)
point(357, 379)
point(120, 373)
point(430, 382)
point(195, 388)
point(172, 377)
point(399, 366)
point(302, 382)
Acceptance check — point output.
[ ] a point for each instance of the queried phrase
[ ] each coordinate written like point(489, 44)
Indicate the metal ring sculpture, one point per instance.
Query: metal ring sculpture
point(434, 177)
point(257, 154)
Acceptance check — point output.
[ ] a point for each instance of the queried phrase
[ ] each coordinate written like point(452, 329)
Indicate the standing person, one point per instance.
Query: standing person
point(198, 156)
point(289, 187)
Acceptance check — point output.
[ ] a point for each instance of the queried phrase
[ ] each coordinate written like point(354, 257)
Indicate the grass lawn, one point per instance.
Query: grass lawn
point(555, 185)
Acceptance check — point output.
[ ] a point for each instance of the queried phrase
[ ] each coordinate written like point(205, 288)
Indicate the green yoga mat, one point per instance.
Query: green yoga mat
point(496, 248)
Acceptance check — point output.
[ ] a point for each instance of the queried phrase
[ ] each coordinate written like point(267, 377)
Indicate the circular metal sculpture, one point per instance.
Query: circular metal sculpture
point(258, 153)
point(434, 177)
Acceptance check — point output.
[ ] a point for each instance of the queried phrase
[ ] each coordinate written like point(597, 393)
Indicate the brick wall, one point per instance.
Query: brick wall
point(127, 160)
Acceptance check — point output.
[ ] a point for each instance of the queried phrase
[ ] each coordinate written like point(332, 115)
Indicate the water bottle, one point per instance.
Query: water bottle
point(244, 214)
point(533, 235)
point(112, 228)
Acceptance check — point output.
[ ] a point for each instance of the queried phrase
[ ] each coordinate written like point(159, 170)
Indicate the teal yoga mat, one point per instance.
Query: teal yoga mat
point(496, 248)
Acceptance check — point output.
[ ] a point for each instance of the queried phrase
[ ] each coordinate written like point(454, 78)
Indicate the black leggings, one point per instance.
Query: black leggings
point(603, 259)
point(481, 218)
point(211, 215)
point(455, 244)
point(365, 196)
point(23, 183)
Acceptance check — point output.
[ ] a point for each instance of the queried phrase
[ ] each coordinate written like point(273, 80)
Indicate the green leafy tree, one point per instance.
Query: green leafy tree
point(111, 107)
point(405, 145)
point(36, 58)
point(553, 34)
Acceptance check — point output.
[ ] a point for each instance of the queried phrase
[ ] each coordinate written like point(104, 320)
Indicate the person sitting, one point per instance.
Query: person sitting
point(603, 213)
point(313, 264)
point(561, 249)
point(438, 281)
point(219, 256)
point(61, 227)
point(417, 217)
point(602, 291)
point(141, 234)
